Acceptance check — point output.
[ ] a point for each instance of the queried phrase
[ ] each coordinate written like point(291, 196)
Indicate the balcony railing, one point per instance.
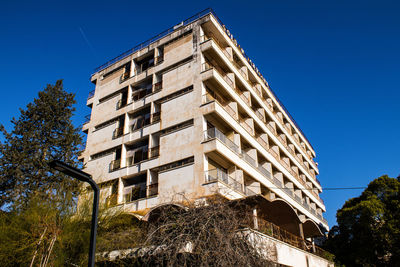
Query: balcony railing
point(118, 132)
point(157, 86)
point(115, 165)
point(121, 103)
point(220, 175)
point(154, 152)
point(144, 66)
point(260, 116)
point(215, 133)
point(275, 231)
point(87, 119)
point(144, 154)
point(159, 59)
point(91, 94)
point(156, 117)
point(208, 97)
point(152, 189)
point(137, 191)
point(263, 143)
point(141, 93)
point(207, 66)
point(247, 127)
point(245, 99)
point(125, 76)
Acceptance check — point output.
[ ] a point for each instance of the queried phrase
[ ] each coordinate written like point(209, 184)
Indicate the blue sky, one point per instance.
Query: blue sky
point(334, 64)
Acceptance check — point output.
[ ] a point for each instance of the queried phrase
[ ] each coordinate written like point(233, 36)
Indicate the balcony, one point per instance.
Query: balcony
point(125, 76)
point(211, 96)
point(156, 117)
point(277, 232)
point(87, 119)
point(220, 175)
point(135, 192)
point(245, 76)
point(115, 165)
point(157, 87)
point(215, 133)
point(143, 154)
point(142, 92)
point(118, 132)
point(152, 190)
point(144, 65)
point(91, 94)
point(158, 60)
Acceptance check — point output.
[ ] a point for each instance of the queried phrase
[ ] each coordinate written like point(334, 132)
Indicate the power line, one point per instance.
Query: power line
point(326, 188)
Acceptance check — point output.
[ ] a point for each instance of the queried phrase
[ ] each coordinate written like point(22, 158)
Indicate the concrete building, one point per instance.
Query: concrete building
point(187, 115)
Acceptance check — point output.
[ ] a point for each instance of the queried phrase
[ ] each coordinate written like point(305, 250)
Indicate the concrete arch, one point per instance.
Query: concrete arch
point(311, 229)
point(153, 213)
point(280, 213)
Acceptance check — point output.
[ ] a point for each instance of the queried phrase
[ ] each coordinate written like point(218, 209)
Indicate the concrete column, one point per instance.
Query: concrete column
point(120, 198)
point(255, 219)
point(126, 124)
point(123, 156)
point(301, 230)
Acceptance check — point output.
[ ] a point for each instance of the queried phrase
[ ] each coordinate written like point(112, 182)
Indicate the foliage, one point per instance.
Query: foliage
point(36, 202)
point(43, 132)
point(205, 235)
point(368, 231)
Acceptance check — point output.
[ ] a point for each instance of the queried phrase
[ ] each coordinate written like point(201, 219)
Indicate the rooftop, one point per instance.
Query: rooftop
point(185, 22)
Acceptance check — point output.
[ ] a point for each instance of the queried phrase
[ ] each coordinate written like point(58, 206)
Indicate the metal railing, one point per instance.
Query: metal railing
point(141, 93)
point(247, 127)
point(125, 76)
point(263, 143)
point(275, 231)
point(159, 59)
point(91, 94)
point(118, 132)
point(137, 192)
point(215, 133)
point(115, 165)
point(154, 152)
point(156, 117)
point(152, 189)
point(87, 119)
point(122, 103)
point(157, 86)
point(221, 175)
point(155, 38)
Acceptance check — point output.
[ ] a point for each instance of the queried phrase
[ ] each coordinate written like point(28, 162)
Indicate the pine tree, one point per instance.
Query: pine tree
point(43, 132)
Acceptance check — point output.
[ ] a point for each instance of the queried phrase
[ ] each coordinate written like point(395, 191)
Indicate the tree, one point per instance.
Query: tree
point(43, 132)
point(212, 234)
point(368, 230)
point(36, 203)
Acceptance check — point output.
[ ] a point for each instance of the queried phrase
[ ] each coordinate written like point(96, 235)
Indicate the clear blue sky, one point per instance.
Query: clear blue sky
point(334, 64)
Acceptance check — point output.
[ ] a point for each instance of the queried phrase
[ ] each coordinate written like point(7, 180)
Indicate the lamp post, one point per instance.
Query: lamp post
point(84, 177)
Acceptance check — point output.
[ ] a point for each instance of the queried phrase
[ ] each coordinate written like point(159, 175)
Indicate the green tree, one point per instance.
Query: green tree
point(44, 131)
point(368, 230)
point(36, 202)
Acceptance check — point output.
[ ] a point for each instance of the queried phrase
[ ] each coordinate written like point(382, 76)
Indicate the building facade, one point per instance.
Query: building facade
point(186, 115)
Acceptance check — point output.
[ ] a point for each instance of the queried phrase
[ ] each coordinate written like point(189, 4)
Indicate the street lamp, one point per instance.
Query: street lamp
point(84, 177)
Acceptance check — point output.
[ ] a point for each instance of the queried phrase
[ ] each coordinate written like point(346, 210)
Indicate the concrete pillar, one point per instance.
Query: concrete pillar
point(120, 198)
point(255, 219)
point(301, 230)
point(123, 156)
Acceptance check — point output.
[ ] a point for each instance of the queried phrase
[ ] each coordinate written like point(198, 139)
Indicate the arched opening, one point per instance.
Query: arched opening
point(311, 229)
point(280, 213)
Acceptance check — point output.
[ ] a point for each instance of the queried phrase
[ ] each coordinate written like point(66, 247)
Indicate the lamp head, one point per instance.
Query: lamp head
point(70, 171)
